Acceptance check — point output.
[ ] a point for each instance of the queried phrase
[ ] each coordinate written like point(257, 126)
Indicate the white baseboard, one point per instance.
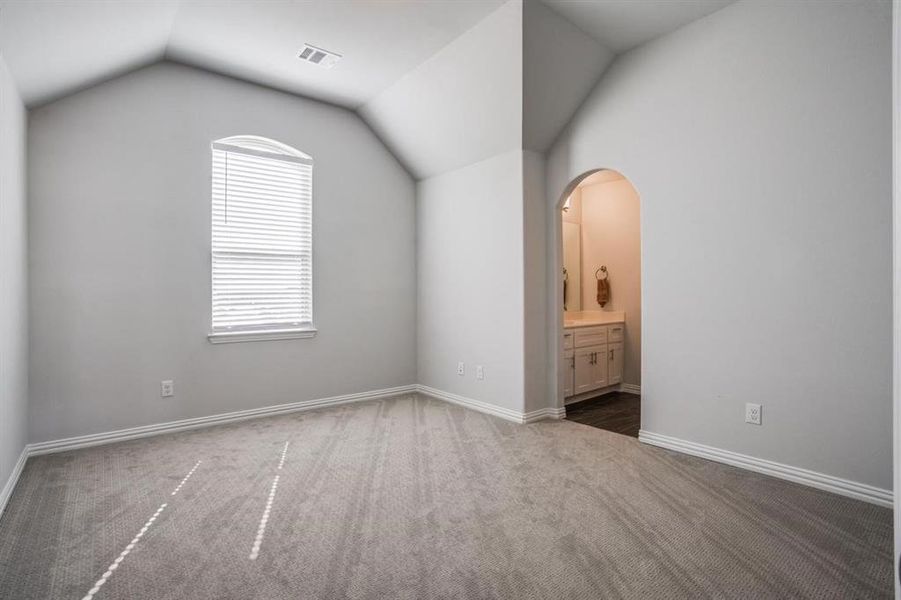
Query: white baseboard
point(483, 407)
point(97, 439)
point(544, 413)
point(121, 435)
point(630, 388)
point(505, 413)
point(13, 480)
point(597, 393)
point(844, 487)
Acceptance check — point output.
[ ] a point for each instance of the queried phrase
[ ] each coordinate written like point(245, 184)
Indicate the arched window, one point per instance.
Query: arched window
point(262, 241)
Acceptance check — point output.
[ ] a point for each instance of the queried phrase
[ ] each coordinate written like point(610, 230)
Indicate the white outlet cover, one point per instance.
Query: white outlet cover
point(167, 388)
point(480, 372)
point(753, 413)
point(461, 368)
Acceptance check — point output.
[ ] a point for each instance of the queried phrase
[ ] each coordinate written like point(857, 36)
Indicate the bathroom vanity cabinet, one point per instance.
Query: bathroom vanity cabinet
point(593, 358)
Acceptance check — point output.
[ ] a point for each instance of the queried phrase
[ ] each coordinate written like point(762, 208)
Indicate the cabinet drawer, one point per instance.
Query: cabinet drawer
point(590, 336)
point(615, 332)
point(567, 340)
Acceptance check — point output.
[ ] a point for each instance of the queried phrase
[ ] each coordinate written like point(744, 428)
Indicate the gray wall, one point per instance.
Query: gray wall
point(759, 140)
point(536, 327)
point(456, 120)
point(896, 206)
point(119, 227)
point(470, 257)
point(13, 280)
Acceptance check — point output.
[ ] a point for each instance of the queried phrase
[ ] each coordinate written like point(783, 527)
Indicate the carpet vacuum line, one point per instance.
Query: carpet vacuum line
point(131, 545)
point(281, 463)
point(261, 530)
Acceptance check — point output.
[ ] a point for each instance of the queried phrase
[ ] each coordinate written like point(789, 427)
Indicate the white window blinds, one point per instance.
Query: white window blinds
point(262, 246)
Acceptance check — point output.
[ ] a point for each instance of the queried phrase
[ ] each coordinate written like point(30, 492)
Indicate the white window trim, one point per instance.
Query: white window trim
point(262, 335)
point(278, 151)
point(303, 160)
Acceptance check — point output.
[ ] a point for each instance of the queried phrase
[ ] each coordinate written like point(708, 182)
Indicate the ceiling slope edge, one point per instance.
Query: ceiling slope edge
point(561, 66)
point(463, 104)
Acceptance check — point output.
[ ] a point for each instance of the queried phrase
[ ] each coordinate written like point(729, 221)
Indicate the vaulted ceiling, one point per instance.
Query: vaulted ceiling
point(462, 105)
point(561, 65)
point(54, 48)
point(624, 24)
point(444, 82)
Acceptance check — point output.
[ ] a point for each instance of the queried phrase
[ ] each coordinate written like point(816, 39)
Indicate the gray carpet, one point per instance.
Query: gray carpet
point(415, 498)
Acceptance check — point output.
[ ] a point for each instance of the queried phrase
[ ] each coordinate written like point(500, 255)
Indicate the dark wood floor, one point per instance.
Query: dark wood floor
point(618, 412)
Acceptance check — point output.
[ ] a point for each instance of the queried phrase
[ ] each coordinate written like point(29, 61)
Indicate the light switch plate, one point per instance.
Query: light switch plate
point(480, 372)
point(461, 368)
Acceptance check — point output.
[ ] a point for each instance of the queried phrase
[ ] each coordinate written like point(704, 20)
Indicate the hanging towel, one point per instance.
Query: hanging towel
point(603, 291)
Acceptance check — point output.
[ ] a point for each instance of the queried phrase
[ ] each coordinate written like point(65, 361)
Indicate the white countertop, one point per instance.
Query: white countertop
point(588, 318)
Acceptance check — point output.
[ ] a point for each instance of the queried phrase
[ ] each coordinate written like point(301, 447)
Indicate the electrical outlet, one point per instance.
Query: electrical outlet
point(461, 368)
point(753, 413)
point(167, 388)
point(480, 372)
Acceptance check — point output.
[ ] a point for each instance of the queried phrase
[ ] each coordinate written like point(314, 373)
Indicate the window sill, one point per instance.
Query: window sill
point(263, 335)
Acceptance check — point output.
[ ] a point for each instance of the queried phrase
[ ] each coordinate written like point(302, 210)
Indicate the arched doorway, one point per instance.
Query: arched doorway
point(599, 309)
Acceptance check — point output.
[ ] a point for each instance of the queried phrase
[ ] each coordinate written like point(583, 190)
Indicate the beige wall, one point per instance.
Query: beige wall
point(572, 264)
point(572, 250)
point(611, 236)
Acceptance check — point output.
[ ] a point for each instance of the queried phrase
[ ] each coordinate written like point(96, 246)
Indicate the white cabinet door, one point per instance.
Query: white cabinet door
point(599, 372)
point(615, 363)
point(590, 368)
point(583, 379)
point(569, 373)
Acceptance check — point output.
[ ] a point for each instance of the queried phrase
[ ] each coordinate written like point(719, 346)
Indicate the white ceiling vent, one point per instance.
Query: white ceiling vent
point(318, 56)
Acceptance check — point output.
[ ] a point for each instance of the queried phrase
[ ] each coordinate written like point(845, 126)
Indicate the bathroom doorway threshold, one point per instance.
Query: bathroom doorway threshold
point(619, 412)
